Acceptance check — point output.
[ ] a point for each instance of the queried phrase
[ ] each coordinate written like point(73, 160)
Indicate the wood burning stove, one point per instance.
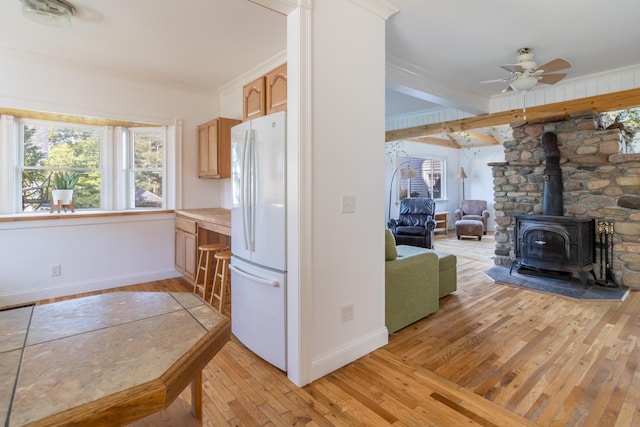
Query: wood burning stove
point(555, 244)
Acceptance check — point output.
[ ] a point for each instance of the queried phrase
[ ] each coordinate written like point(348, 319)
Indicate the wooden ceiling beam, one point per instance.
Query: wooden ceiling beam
point(481, 138)
point(436, 141)
point(600, 103)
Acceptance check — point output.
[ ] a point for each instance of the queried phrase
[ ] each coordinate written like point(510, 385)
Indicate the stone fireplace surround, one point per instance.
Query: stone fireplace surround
point(598, 182)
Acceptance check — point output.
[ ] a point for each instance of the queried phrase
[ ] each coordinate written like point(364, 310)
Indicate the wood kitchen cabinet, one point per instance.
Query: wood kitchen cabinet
point(265, 95)
point(195, 227)
point(186, 247)
point(253, 99)
point(214, 148)
point(276, 89)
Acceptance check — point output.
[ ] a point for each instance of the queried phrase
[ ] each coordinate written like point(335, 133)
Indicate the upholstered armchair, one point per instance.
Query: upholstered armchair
point(414, 225)
point(473, 210)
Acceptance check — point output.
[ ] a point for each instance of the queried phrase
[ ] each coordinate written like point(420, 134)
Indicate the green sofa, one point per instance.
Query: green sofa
point(448, 276)
point(415, 279)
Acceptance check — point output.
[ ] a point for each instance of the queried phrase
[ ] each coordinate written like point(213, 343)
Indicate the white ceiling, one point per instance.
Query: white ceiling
point(190, 44)
point(454, 45)
point(448, 46)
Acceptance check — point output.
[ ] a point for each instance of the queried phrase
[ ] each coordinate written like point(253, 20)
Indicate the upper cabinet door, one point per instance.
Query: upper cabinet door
point(214, 148)
point(254, 99)
point(203, 151)
point(276, 82)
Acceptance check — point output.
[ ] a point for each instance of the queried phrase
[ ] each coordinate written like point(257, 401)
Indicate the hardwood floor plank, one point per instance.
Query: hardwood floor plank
point(492, 354)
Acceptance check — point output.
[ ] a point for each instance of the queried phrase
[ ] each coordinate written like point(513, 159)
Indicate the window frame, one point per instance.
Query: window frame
point(113, 160)
point(21, 123)
point(131, 169)
point(405, 157)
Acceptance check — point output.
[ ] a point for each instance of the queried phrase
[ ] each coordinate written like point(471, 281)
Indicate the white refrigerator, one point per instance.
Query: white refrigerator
point(258, 237)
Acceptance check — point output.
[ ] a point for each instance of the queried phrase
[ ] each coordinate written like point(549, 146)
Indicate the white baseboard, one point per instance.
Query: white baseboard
point(31, 295)
point(348, 353)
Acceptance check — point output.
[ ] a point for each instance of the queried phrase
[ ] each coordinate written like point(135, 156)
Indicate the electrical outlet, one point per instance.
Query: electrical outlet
point(346, 313)
point(348, 204)
point(55, 270)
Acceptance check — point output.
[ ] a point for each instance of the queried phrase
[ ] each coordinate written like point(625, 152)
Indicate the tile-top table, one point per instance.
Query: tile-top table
point(104, 360)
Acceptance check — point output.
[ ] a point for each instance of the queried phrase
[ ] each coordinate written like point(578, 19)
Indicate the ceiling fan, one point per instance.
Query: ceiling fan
point(525, 75)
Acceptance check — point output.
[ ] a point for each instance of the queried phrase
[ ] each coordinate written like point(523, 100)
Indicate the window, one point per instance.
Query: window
point(48, 148)
point(146, 153)
point(117, 167)
point(629, 121)
point(428, 183)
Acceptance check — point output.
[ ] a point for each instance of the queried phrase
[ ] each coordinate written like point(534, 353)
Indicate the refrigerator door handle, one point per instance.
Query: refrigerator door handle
point(254, 278)
point(244, 190)
point(252, 193)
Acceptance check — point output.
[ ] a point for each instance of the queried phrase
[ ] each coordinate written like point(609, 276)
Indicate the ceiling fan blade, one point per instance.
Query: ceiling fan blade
point(555, 65)
point(504, 79)
point(551, 78)
point(514, 68)
point(506, 89)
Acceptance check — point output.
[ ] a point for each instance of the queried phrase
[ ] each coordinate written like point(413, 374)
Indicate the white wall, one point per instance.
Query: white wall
point(478, 185)
point(347, 158)
point(94, 254)
point(100, 253)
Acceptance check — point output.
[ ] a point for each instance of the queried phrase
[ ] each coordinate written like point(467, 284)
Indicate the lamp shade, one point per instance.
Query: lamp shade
point(461, 174)
point(408, 173)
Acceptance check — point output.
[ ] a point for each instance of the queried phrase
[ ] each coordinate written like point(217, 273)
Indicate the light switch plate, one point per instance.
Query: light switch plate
point(348, 204)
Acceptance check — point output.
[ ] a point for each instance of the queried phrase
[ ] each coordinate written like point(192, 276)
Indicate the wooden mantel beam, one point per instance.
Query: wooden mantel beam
point(600, 103)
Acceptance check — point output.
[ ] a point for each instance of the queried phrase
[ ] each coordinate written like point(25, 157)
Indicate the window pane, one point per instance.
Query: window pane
point(147, 149)
point(428, 182)
point(36, 190)
point(55, 146)
point(52, 148)
point(148, 187)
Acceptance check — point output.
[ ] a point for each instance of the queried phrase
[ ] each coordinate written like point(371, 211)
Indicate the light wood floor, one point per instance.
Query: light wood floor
point(493, 355)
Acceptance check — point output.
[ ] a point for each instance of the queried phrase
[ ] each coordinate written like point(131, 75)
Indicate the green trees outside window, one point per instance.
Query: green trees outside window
point(54, 149)
point(125, 166)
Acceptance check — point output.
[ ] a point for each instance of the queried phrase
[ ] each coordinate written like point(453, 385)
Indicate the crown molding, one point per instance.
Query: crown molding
point(284, 7)
point(253, 73)
point(382, 8)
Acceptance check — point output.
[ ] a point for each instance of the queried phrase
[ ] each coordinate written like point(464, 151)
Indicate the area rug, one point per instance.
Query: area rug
point(571, 288)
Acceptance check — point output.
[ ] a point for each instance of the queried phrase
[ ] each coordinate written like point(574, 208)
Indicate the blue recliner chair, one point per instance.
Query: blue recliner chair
point(415, 224)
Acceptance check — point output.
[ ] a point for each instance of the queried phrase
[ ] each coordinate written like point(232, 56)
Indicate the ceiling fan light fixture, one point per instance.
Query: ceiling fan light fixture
point(55, 13)
point(524, 83)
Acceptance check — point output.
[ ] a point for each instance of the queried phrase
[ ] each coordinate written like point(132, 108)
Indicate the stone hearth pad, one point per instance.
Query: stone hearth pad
point(571, 288)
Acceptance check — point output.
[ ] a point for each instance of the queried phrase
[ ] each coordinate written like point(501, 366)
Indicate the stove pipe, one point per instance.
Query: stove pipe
point(552, 192)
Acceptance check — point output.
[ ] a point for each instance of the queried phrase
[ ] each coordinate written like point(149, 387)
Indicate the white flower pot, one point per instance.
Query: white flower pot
point(62, 196)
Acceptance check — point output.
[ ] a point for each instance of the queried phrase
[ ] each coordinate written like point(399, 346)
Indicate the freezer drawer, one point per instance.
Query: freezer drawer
point(258, 311)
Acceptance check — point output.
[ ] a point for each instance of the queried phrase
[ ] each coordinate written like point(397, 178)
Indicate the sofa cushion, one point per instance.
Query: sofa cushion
point(411, 289)
point(447, 270)
point(390, 252)
point(446, 260)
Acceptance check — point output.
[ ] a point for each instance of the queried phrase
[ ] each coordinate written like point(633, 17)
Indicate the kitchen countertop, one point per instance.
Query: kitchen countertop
point(105, 359)
point(214, 219)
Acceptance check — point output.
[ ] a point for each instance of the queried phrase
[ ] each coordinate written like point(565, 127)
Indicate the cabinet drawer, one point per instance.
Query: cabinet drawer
point(185, 224)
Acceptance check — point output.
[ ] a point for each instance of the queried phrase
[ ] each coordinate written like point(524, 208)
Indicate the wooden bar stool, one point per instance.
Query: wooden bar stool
point(203, 275)
point(221, 278)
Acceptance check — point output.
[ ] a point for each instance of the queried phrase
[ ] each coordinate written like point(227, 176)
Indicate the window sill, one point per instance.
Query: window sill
point(75, 215)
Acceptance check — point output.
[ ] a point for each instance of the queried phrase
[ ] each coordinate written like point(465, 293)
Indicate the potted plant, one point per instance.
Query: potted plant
point(63, 184)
